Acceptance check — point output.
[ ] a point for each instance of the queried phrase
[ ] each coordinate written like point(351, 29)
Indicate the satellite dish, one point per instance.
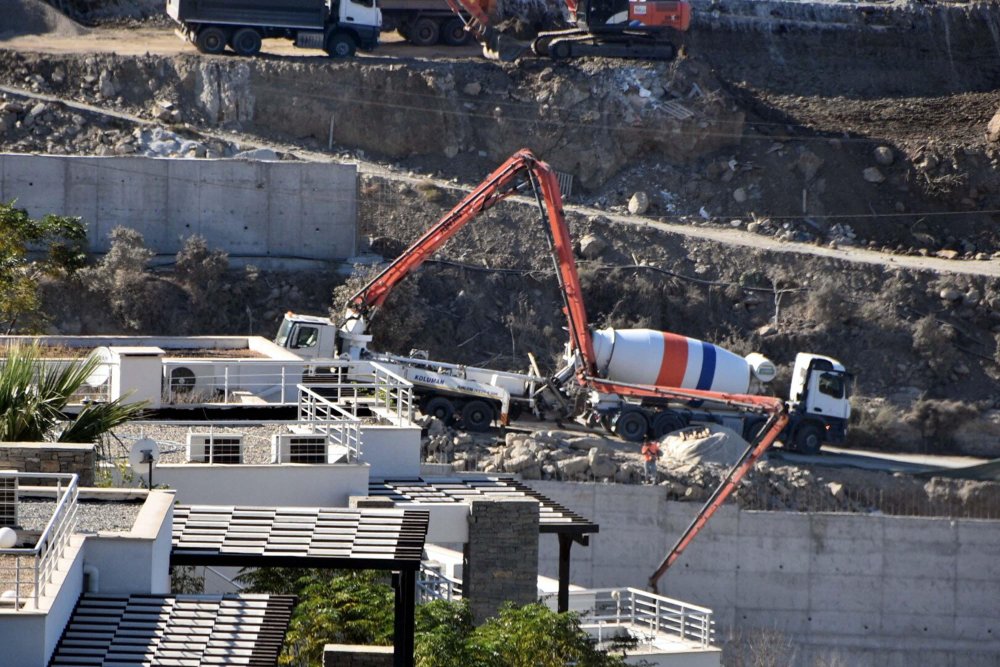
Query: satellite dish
point(103, 370)
point(143, 456)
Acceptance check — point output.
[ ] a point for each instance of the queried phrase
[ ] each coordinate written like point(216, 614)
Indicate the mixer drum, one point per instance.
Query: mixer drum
point(645, 356)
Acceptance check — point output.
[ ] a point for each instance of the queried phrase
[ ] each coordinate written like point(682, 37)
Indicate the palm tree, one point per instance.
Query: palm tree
point(34, 396)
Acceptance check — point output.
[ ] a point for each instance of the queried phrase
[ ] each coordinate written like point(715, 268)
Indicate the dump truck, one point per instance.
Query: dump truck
point(339, 27)
point(424, 22)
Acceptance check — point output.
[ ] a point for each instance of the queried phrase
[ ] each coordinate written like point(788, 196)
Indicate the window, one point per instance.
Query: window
point(282, 338)
point(364, 3)
point(306, 337)
point(832, 384)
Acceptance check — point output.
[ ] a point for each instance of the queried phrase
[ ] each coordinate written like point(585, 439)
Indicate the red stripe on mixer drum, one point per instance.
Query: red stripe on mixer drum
point(673, 364)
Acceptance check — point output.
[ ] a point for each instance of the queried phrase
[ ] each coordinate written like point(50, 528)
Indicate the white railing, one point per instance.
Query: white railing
point(339, 425)
point(393, 392)
point(651, 615)
point(33, 569)
point(433, 585)
point(214, 381)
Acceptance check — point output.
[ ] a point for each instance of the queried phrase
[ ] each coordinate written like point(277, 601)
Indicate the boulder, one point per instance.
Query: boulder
point(873, 175)
point(573, 467)
point(884, 156)
point(592, 246)
point(639, 203)
point(993, 128)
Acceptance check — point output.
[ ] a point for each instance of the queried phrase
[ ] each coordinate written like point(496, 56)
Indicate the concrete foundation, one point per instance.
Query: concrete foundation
point(844, 588)
point(262, 212)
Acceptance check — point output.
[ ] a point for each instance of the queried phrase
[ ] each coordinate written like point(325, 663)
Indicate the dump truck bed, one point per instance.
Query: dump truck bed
point(272, 13)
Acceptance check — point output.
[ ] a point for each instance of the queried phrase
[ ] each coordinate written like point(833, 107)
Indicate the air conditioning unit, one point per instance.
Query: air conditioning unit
point(199, 380)
point(298, 448)
point(214, 448)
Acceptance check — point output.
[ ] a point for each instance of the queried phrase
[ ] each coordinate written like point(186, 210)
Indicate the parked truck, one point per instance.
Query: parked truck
point(424, 22)
point(339, 27)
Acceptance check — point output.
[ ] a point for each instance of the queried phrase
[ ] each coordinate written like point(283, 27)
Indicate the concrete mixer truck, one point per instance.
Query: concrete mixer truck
point(625, 380)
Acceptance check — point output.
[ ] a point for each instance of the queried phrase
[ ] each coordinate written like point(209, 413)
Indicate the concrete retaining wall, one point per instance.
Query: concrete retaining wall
point(846, 588)
point(253, 210)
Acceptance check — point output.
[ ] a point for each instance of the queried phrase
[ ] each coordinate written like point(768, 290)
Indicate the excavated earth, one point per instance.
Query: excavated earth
point(855, 126)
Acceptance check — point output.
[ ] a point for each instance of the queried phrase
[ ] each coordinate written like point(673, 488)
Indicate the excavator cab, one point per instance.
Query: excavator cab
point(597, 16)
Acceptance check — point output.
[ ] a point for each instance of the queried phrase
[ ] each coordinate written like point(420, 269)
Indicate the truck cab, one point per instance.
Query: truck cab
point(308, 336)
point(819, 400)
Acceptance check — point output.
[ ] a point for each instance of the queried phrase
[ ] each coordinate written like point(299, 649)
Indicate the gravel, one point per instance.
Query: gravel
point(34, 514)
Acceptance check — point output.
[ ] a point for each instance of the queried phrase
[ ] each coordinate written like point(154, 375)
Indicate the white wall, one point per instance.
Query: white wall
point(291, 484)
point(391, 451)
point(249, 209)
point(858, 589)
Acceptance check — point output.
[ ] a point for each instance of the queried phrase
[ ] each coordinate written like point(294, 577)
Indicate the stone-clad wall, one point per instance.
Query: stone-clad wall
point(501, 556)
point(49, 457)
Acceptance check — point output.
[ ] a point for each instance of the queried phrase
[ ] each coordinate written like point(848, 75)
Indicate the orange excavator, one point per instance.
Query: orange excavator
point(523, 173)
point(608, 28)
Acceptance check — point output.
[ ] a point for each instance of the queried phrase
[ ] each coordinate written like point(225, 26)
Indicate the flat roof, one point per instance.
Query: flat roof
point(552, 517)
point(182, 630)
point(369, 538)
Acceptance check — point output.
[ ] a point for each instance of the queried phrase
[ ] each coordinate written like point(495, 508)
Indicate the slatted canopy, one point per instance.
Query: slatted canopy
point(382, 539)
point(179, 631)
point(552, 517)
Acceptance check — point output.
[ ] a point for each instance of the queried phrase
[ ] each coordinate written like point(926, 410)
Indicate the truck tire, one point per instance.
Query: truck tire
point(424, 32)
point(477, 416)
point(666, 422)
point(341, 45)
point(211, 40)
point(631, 425)
point(440, 407)
point(246, 42)
point(453, 32)
point(808, 438)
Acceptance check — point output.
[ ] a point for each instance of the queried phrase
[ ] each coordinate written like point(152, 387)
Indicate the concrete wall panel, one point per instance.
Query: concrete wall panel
point(847, 589)
point(252, 210)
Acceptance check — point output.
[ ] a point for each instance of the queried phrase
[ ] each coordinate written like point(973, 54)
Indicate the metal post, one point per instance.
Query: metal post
point(405, 584)
point(225, 385)
point(565, 543)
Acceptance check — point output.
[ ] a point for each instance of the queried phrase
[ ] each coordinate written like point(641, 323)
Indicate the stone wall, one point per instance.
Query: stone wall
point(501, 556)
point(353, 655)
point(49, 457)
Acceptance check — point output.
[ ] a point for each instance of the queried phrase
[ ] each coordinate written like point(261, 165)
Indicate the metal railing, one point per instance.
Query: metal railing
point(339, 426)
point(197, 381)
point(33, 569)
point(393, 392)
point(651, 615)
point(432, 584)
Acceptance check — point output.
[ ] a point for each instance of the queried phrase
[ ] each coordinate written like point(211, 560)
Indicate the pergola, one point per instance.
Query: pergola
point(552, 517)
point(329, 538)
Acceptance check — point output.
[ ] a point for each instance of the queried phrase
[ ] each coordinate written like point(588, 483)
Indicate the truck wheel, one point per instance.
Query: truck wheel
point(631, 425)
point(246, 42)
point(439, 407)
point(808, 438)
point(752, 428)
point(424, 32)
point(211, 40)
point(341, 45)
point(477, 416)
point(666, 422)
point(453, 32)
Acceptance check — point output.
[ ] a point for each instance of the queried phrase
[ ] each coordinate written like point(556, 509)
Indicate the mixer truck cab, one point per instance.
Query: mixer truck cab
point(819, 401)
